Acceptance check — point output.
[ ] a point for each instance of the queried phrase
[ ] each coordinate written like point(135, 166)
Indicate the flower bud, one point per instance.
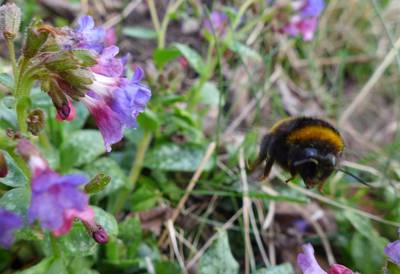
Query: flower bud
point(10, 20)
point(98, 183)
point(36, 121)
point(3, 166)
point(35, 39)
point(100, 235)
point(71, 116)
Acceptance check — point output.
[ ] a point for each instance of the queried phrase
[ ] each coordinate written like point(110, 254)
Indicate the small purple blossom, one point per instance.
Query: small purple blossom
point(307, 261)
point(309, 265)
point(56, 199)
point(89, 36)
point(217, 22)
point(305, 20)
point(107, 64)
point(9, 222)
point(392, 250)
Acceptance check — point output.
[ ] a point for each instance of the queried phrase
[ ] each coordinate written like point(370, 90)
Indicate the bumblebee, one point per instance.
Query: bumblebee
point(304, 146)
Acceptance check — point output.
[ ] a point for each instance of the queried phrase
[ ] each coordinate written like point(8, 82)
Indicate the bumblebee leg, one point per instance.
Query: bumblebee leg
point(267, 168)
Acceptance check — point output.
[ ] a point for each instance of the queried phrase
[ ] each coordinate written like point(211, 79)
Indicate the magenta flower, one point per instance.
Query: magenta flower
point(309, 265)
point(305, 20)
point(9, 222)
point(392, 250)
point(56, 200)
point(217, 22)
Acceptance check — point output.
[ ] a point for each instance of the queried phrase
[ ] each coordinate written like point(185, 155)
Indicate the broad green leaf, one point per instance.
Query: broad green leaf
point(81, 147)
point(149, 120)
point(367, 256)
point(8, 116)
point(110, 168)
point(6, 80)
point(172, 157)
point(57, 267)
point(162, 56)
point(130, 232)
point(16, 200)
point(139, 32)
point(145, 197)
point(39, 268)
point(106, 220)
point(285, 268)
point(218, 258)
point(194, 59)
point(392, 268)
point(167, 267)
point(209, 94)
point(15, 177)
point(77, 242)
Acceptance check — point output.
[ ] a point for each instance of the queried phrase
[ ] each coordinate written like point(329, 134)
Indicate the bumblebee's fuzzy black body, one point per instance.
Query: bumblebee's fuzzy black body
point(304, 146)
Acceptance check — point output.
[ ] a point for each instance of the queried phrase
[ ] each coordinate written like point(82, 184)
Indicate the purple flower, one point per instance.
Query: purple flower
point(88, 36)
point(392, 250)
point(217, 22)
point(9, 221)
point(309, 265)
point(56, 199)
point(305, 20)
point(307, 261)
point(107, 64)
point(312, 8)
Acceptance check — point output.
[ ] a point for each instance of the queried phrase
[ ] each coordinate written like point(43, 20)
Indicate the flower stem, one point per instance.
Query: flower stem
point(54, 246)
point(11, 53)
point(134, 173)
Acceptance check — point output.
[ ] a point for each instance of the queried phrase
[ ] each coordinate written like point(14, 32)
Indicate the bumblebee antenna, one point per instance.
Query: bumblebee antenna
point(361, 181)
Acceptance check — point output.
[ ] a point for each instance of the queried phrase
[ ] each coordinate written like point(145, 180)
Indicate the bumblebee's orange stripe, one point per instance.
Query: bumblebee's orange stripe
point(319, 133)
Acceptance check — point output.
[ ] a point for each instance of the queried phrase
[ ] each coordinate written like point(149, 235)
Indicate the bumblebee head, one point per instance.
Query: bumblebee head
point(314, 165)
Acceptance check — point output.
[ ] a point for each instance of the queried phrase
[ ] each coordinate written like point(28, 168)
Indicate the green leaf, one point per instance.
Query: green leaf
point(148, 120)
point(145, 197)
point(162, 56)
point(192, 57)
point(15, 177)
point(39, 268)
point(16, 200)
point(77, 242)
point(172, 157)
point(111, 168)
point(81, 147)
point(106, 220)
point(139, 32)
point(244, 50)
point(392, 268)
point(209, 94)
point(285, 268)
point(8, 117)
point(362, 248)
point(218, 259)
point(6, 80)
point(167, 267)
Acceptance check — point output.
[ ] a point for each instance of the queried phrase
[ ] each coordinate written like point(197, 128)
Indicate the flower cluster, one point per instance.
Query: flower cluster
point(309, 264)
point(305, 19)
point(82, 64)
point(56, 200)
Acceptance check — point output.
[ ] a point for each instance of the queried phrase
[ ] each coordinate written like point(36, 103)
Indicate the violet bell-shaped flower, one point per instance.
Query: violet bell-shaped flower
point(56, 199)
point(309, 265)
point(9, 222)
point(216, 23)
point(305, 20)
point(392, 250)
